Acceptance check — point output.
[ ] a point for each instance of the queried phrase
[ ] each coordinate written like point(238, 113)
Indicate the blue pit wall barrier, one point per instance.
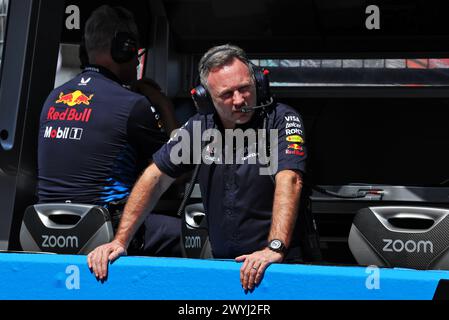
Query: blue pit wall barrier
point(25, 276)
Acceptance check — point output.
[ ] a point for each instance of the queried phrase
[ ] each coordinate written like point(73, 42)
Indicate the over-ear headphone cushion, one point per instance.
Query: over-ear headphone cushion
point(262, 84)
point(202, 100)
point(123, 47)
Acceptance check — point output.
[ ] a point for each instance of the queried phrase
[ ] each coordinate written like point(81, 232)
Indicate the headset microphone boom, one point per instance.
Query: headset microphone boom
point(247, 109)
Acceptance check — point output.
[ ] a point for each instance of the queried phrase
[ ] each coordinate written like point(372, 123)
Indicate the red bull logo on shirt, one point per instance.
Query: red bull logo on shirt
point(71, 99)
point(295, 149)
point(74, 98)
point(69, 114)
point(295, 152)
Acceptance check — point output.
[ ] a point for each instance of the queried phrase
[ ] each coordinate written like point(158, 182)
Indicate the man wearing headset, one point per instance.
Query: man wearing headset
point(252, 218)
point(96, 136)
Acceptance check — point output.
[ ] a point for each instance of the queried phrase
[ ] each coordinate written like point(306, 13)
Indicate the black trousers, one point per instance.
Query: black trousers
point(159, 235)
point(162, 236)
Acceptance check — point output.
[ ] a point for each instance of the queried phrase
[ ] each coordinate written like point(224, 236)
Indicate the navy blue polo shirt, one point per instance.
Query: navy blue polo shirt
point(95, 137)
point(238, 200)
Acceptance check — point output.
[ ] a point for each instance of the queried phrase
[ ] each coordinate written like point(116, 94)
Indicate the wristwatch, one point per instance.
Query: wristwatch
point(277, 246)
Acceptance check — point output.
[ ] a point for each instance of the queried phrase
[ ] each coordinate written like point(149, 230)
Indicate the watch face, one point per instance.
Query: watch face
point(276, 244)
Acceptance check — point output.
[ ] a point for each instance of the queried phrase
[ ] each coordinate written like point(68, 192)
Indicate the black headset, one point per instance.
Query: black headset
point(203, 100)
point(123, 44)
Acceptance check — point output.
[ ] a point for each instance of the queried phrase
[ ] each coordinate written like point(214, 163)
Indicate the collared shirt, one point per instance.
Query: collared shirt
point(238, 200)
point(95, 137)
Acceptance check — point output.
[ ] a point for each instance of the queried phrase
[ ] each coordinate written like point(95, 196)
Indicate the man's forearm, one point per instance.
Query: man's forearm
point(143, 198)
point(285, 205)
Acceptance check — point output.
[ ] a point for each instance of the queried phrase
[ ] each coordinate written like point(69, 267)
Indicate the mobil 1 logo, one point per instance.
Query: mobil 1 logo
point(63, 133)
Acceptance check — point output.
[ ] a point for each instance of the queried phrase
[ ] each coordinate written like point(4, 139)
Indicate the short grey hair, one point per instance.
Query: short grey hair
point(219, 56)
point(103, 24)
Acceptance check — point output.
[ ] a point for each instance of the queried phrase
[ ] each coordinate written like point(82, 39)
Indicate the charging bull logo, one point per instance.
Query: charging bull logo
point(295, 149)
point(295, 146)
point(75, 98)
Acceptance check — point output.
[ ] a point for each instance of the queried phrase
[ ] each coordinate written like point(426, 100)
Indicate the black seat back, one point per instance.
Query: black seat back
point(195, 235)
point(408, 237)
point(65, 228)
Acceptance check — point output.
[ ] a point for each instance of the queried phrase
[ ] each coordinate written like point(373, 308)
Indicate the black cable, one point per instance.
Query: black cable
point(189, 190)
point(266, 138)
point(336, 194)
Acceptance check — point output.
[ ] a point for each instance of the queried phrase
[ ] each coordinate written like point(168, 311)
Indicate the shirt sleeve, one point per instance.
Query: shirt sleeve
point(144, 129)
point(292, 150)
point(177, 155)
